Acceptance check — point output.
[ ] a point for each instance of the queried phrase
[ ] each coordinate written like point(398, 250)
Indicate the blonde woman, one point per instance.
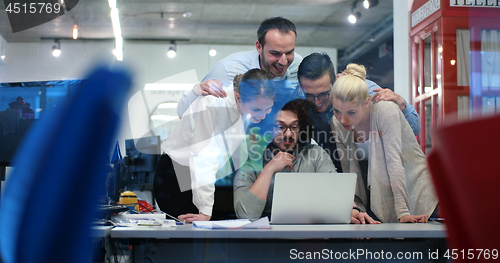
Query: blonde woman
point(376, 142)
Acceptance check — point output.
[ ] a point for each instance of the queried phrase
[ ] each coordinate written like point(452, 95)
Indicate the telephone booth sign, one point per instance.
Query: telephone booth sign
point(455, 61)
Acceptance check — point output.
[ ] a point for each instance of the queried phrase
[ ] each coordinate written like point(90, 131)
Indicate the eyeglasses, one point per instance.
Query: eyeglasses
point(321, 96)
point(282, 128)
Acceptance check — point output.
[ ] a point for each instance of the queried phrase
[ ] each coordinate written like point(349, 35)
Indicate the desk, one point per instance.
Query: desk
point(284, 243)
point(100, 231)
point(101, 243)
point(429, 230)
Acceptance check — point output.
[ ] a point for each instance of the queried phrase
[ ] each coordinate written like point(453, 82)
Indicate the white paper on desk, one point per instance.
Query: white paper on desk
point(133, 219)
point(166, 222)
point(232, 224)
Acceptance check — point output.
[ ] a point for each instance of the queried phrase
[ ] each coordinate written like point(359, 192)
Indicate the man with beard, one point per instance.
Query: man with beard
point(275, 53)
point(289, 151)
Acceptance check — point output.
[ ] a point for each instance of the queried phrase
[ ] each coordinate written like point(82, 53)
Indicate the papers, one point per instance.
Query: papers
point(233, 224)
point(157, 222)
point(132, 220)
point(166, 222)
point(148, 223)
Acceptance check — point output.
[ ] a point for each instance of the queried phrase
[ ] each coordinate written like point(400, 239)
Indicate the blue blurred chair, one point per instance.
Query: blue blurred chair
point(60, 169)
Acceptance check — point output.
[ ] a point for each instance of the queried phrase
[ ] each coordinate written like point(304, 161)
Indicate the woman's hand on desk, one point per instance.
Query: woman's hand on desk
point(362, 218)
point(189, 218)
point(414, 219)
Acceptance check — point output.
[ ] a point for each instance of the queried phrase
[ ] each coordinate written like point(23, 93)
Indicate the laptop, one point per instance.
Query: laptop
point(313, 198)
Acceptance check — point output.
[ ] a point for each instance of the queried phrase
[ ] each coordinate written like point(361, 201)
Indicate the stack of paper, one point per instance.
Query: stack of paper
point(233, 224)
point(142, 220)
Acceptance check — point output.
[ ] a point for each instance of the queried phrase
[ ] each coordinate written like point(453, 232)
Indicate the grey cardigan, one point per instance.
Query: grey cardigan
point(398, 179)
point(310, 158)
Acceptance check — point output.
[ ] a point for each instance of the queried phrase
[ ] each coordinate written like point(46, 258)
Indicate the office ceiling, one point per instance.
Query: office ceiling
point(319, 22)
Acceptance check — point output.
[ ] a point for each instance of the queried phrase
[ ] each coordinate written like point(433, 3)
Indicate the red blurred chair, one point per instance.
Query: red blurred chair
point(464, 166)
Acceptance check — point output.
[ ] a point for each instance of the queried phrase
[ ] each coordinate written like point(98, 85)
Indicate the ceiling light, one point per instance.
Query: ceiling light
point(353, 18)
point(117, 30)
point(212, 52)
point(112, 4)
point(75, 32)
point(171, 52)
point(56, 49)
point(370, 3)
point(2, 57)
point(56, 52)
point(453, 62)
point(366, 4)
point(187, 14)
point(115, 21)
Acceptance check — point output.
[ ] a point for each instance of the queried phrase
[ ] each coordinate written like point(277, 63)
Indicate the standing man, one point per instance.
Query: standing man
point(275, 53)
point(289, 151)
point(316, 76)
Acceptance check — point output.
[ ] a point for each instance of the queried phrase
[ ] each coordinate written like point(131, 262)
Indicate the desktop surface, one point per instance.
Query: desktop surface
point(282, 243)
point(340, 231)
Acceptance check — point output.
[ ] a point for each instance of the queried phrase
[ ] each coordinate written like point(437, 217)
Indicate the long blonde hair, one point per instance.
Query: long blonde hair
point(351, 86)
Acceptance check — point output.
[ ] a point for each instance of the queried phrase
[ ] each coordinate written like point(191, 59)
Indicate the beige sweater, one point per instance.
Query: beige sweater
point(398, 178)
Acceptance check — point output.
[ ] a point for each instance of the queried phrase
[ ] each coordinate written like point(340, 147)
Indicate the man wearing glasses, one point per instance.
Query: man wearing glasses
point(316, 76)
point(289, 151)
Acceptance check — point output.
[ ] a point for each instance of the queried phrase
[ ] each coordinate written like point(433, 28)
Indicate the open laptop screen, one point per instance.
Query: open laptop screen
point(313, 198)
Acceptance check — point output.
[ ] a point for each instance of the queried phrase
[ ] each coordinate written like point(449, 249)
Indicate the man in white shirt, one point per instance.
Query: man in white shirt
point(275, 53)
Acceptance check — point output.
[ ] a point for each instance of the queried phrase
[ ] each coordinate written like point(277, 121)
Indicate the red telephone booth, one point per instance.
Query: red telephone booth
point(455, 61)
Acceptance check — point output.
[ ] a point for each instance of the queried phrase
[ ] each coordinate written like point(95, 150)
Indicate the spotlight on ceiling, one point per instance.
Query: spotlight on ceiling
point(56, 49)
point(370, 3)
point(212, 52)
point(172, 50)
point(353, 17)
point(75, 32)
